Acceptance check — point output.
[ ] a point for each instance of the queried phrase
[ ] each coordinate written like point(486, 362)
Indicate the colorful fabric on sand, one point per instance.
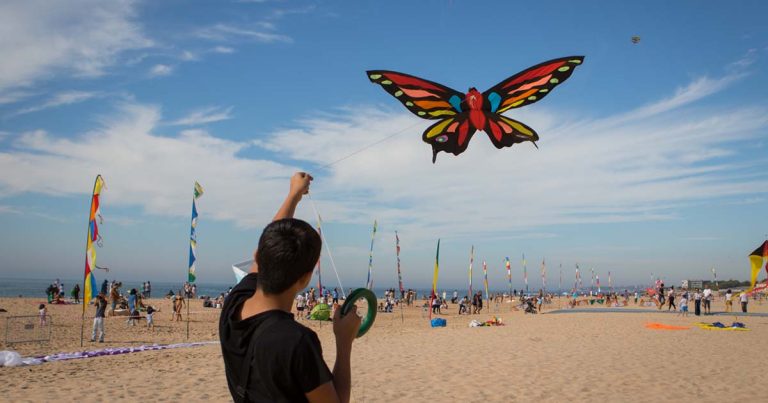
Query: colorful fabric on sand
point(735, 326)
point(493, 321)
point(89, 280)
point(460, 115)
point(662, 326)
point(191, 275)
point(36, 360)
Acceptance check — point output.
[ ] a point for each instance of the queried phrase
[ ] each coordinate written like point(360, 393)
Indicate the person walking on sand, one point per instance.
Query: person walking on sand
point(98, 320)
point(707, 298)
point(671, 299)
point(728, 301)
point(43, 315)
point(178, 303)
point(697, 302)
point(76, 293)
point(150, 319)
point(744, 299)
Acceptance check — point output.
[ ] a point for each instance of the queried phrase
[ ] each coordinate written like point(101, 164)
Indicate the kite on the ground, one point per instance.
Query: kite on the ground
point(460, 115)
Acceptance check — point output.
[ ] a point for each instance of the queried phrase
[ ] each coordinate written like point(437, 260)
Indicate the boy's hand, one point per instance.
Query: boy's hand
point(345, 327)
point(300, 184)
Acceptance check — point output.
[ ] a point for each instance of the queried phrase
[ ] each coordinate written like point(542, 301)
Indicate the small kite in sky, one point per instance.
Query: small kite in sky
point(635, 39)
point(460, 115)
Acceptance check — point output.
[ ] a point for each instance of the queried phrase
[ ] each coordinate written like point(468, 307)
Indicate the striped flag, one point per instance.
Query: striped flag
point(434, 280)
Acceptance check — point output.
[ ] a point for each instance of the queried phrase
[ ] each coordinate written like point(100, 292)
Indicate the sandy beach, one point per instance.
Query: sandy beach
point(545, 357)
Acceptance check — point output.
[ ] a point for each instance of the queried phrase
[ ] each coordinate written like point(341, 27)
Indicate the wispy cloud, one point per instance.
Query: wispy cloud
point(79, 37)
point(260, 32)
point(4, 209)
point(60, 99)
point(10, 97)
point(223, 50)
point(205, 115)
point(160, 70)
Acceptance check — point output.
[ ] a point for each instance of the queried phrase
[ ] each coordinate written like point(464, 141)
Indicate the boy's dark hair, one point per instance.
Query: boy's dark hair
point(288, 249)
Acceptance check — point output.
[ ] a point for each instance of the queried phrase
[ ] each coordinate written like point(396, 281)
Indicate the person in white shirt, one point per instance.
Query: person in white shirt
point(707, 297)
point(300, 304)
point(697, 302)
point(728, 301)
point(744, 298)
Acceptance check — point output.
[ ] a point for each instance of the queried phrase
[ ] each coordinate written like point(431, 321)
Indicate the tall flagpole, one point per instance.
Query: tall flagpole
point(191, 273)
point(471, 260)
point(89, 281)
point(399, 277)
point(434, 280)
point(369, 282)
point(485, 283)
point(525, 274)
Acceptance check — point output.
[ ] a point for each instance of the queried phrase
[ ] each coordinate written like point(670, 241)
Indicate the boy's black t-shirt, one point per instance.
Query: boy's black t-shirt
point(287, 358)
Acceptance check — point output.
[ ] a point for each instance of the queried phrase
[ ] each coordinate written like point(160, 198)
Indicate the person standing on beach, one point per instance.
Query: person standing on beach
point(268, 356)
point(104, 285)
point(132, 310)
point(76, 293)
point(43, 311)
point(728, 301)
point(744, 298)
point(149, 290)
point(98, 320)
point(707, 298)
point(671, 299)
point(684, 305)
point(697, 302)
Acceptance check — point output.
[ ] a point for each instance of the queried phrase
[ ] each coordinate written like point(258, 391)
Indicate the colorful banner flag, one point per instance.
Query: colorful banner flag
point(544, 274)
point(756, 260)
point(509, 275)
point(369, 283)
point(610, 282)
point(433, 294)
point(577, 281)
point(191, 274)
point(597, 277)
point(471, 261)
point(399, 275)
point(525, 274)
point(714, 276)
point(592, 279)
point(89, 280)
point(485, 283)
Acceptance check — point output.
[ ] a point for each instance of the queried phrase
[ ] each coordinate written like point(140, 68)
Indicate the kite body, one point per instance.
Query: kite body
point(461, 115)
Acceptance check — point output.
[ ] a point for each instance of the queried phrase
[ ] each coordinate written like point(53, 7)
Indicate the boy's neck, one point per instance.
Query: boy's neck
point(262, 302)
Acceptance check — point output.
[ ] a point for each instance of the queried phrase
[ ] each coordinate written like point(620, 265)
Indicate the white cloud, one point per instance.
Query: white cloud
point(9, 97)
point(188, 56)
point(40, 39)
point(205, 115)
point(259, 33)
point(60, 99)
point(160, 70)
point(223, 50)
point(142, 168)
point(8, 210)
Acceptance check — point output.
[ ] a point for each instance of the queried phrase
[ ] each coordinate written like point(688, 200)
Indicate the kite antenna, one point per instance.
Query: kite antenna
point(327, 248)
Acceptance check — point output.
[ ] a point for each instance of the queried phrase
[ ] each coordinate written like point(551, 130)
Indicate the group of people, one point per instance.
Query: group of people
point(56, 293)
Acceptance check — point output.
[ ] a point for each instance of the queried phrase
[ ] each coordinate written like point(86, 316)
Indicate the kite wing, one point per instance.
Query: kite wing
point(531, 85)
point(241, 269)
point(430, 100)
point(425, 99)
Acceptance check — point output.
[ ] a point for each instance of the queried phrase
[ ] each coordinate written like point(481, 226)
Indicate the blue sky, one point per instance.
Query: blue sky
point(652, 156)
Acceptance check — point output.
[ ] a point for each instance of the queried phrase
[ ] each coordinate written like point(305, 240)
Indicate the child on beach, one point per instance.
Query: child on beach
point(268, 356)
point(150, 321)
point(43, 315)
point(684, 305)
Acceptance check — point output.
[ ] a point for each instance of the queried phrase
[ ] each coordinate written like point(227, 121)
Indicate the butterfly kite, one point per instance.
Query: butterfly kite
point(460, 115)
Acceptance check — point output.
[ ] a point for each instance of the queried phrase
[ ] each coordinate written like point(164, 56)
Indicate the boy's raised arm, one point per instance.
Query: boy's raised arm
point(299, 187)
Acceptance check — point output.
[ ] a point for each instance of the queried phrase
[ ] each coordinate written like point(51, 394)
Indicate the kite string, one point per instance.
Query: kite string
point(327, 247)
point(371, 145)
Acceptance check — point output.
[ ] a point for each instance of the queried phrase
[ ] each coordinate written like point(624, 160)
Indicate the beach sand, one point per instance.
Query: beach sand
point(546, 357)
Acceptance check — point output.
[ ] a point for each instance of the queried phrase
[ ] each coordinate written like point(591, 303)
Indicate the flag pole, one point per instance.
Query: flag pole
point(191, 275)
point(89, 281)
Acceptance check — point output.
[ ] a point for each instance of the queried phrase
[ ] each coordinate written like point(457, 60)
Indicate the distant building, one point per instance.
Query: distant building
point(693, 284)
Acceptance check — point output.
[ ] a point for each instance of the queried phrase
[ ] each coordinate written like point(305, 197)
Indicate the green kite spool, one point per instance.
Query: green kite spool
point(370, 317)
